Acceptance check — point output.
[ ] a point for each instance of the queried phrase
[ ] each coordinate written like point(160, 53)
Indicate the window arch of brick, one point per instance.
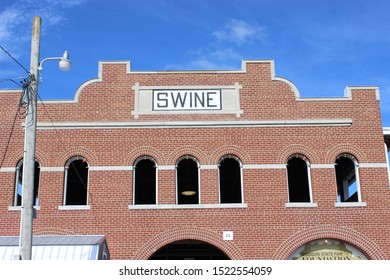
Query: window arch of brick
point(298, 149)
point(196, 153)
point(347, 178)
point(145, 181)
point(230, 179)
point(298, 179)
point(139, 152)
point(336, 151)
point(77, 151)
point(76, 181)
point(18, 193)
point(219, 152)
point(187, 180)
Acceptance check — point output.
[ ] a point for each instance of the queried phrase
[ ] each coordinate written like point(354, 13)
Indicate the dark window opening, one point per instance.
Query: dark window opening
point(187, 182)
point(298, 180)
point(189, 250)
point(145, 182)
point(347, 188)
point(230, 181)
point(76, 182)
point(19, 183)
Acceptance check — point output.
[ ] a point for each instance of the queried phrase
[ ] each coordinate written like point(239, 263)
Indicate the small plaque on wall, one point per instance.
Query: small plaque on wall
point(227, 235)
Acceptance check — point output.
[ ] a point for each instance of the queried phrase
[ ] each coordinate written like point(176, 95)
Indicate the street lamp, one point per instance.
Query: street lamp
point(64, 63)
point(26, 223)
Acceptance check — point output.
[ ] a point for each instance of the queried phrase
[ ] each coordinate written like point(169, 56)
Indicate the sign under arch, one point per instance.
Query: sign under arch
point(327, 249)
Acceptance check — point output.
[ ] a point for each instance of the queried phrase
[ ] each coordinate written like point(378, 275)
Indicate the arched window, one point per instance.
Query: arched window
point(76, 181)
point(19, 182)
point(145, 181)
point(230, 183)
point(298, 174)
point(348, 189)
point(187, 176)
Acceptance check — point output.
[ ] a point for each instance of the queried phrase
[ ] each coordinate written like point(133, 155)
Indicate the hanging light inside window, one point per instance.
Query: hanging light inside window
point(188, 191)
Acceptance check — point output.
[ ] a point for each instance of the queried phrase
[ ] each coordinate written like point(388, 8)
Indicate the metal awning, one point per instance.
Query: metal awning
point(58, 247)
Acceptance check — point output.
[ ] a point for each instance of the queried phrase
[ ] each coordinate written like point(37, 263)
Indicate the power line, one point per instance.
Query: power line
point(89, 193)
point(13, 80)
point(17, 114)
point(63, 145)
point(20, 111)
point(14, 59)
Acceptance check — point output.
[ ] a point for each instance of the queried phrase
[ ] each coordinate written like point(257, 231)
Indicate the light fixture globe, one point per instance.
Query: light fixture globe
point(65, 63)
point(188, 193)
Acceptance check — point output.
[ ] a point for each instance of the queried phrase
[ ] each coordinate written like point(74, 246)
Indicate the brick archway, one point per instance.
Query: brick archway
point(349, 235)
point(82, 151)
point(333, 153)
point(297, 149)
point(144, 151)
point(196, 152)
point(200, 234)
point(218, 153)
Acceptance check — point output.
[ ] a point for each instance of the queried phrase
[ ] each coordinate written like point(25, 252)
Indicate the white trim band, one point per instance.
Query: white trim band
point(372, 165)
point(193, 124)
point(188, 206)
point(321, 166)
point(53, 169)
point(19, 208)
point(8, 169)
point(166, 167)
point(202, 167)
point(300, 204)
point(74, 207)
point(264, 166)
point(111, 168)
point(209, 167)
point(350, 204)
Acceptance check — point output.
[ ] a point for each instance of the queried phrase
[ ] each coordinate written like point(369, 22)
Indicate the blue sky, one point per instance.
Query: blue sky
point(321, 46)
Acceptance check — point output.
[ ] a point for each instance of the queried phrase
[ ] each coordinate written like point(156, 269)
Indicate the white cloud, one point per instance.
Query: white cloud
point(241, 32)
point(15, 30)
point(226, 54)
point(16, 21)
point(9, 19)
point(64, 3)
point(15, 18)
point(219, 53)
point(209, 57)
point(201, 63)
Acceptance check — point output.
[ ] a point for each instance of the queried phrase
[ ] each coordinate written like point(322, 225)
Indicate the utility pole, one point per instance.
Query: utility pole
point(29, 146)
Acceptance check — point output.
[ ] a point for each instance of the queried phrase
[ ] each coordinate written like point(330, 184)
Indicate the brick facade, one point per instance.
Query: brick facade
point(107, 126)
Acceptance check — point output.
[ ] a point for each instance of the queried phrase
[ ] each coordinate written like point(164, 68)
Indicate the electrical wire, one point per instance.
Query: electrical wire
point(12, 80)
point(17, 115)
point(62, 142)
point(24, 100)
point(17, 62)
point(21, 111)
point(63, 145)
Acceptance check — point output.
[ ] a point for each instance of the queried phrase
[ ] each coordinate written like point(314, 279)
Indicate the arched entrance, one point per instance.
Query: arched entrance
point(189, 250)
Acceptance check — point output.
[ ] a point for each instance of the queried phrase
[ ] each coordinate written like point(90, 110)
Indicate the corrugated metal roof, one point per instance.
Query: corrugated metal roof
point(57, 247)
point(55, 240)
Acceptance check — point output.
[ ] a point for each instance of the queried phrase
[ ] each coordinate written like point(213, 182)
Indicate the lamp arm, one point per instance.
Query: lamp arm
point(46, 59)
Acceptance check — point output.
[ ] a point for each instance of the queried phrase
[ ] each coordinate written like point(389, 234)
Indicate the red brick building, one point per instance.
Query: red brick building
point(204, 165)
